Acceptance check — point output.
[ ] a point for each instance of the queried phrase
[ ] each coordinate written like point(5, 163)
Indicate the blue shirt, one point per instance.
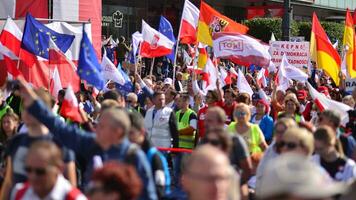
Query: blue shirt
point(84, 145)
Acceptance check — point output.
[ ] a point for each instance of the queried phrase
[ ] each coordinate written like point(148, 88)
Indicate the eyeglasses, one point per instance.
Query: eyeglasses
point(288, 145)
point(37, 171)
point(240, 114)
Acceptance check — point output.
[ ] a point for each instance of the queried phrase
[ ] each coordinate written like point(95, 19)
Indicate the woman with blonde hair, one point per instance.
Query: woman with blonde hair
point(297, 140)
point(251, 133)
point(291, 108)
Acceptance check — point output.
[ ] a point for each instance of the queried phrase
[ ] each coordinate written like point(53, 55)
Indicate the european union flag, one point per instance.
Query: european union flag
point(36, 37)
point(166, 29)
point(127, 87)
point(89, 68)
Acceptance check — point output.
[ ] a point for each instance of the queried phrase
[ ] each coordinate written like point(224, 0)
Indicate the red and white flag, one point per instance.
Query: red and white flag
point(154, 43)
point(241, 49)
point(189, 23)
point(261, 78)
point(70, 106)
point(243, 85)
point(325, 103)
point(19, 8)
point(293, 72)
point(209, 76)
point(55, 85)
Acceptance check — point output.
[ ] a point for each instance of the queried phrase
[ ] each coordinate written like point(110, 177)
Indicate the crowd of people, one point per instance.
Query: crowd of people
point(170, 139)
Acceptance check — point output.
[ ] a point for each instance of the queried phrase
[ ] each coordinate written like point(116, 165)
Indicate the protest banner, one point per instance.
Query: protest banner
point(350, 84)
point(297, 53)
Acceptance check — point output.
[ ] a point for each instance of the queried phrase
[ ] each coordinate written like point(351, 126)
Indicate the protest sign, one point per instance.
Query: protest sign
point(297, 53)
point(350, 84)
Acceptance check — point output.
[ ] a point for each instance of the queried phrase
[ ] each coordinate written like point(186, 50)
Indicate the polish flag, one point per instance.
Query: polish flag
point(293, 72)
point(281, 79)
point(55, 85)
point(261, 79)
point(70, 106)
point(19, 8)
point(224, 77)
point(211, 74)
point(189, 23)
point(154, 43)
point(67, 71)
point(324, 103)
point(233, 73)
point(243, 85)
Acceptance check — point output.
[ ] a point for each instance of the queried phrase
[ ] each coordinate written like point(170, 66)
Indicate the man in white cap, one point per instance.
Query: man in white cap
point(293, 177)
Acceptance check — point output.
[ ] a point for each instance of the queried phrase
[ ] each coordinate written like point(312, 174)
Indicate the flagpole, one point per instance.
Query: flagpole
point(176, 50)
point(152, 64)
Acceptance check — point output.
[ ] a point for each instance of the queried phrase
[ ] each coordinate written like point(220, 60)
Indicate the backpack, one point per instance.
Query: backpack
point(154, 151)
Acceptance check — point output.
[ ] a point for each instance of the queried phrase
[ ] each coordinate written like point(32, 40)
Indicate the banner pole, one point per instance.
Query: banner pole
point(152, 64)
point(176, 49)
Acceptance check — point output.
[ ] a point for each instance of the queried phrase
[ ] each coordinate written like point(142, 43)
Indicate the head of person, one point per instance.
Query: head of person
point(9, 124)
point(179, 76)
point(168, 82)
point(113, 126)
point(170, 94)
point(115, 181)
point(131, 99)
point(205, 176)
point(242, 113)
point(61, 94)
point(211, 97)
point(293, 177)
point(198, 99)
point(325, 141)
point(291, 104)
point(349, 100)
point(300, 86)
point(115, 95)
point(302, 96)
point(297, 140)
point(243, 98)
point(159, 99)
point(46, 98)
point(218, 137)
point(214, 117)
point(330, 118)
point(137, 131)
point(43, 165)
point(255, 98)
point(262, 107)
point(281, 126)
point(280, 95)
point(122, 39)
point(229, 96)
point(183, 101)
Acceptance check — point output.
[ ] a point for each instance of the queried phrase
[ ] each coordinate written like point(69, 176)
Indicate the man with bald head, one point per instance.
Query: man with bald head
point(108, 143)
point(209, 177)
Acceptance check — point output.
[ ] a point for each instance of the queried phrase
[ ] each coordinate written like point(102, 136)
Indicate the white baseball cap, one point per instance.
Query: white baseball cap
point(168, 81)
point(294, 174)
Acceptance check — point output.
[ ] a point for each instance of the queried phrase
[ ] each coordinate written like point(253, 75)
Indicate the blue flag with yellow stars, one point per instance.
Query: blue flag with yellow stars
point(166, 29)
point(89, 68)
point(36, 37)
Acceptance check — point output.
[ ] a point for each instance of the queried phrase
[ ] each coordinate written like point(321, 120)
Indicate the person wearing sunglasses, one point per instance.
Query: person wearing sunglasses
point(251, 133)
point(339, 167)
point(43, 166)
point(297, 140)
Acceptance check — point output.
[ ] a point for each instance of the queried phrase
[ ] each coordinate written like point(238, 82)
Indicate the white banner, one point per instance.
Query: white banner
point(350, 84)
point(297, 53)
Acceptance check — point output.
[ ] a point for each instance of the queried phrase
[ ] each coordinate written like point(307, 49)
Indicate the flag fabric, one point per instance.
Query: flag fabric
point(233, 72)
point(110, 72)
point(89, 68)
point(241, 49)
point(55, 84)
point(211, 76)
point(186, 58)
point(273, 38)
point(154, 43)
point(282, 81)
point(67, 71)
point(243, 85)
point(211, 22)
point(349, 44)
point(127, 87)
point(136, 40)
point(325, 103)
point(292, 72)
point(70, 106)
point(336, 44)
point(261, 78)
point(36, 37)
point(189, 23)
point(322, 51)
point(18, 8)
point(166, 29)
point(202, 57)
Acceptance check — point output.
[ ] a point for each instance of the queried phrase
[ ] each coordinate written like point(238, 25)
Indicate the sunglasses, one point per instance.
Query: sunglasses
point(240, 114)
point(37, 171)
point(213, 142)
point(288, 145)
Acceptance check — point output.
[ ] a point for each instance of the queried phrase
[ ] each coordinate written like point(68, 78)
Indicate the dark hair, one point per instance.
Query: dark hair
point(331, 115)
point(232, 92)
point(119, 178)
point(157, 93)
point(112, 94)
point(136, 120)
point(223, 137)
point(185, 97)
point(243, 98)
point(214, 94)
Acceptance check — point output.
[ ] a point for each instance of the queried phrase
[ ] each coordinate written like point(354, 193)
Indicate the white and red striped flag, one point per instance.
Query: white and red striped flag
point(243, 85)
point(55, 84)
point(189, 23)
point(293, 72)
point(261, 78)
point(154, 43)
point(70, 106)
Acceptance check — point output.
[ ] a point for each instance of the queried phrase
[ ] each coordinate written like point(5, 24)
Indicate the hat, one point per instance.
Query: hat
point(302, 94)
point(295, 174)
point(168, 81)
point(256, 96)
point(324, 90)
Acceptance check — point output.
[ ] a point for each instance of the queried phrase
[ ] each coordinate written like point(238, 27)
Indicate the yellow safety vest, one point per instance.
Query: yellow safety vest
point(297, 117)
point(185, 141)
point(4, 110)
point(254, 146)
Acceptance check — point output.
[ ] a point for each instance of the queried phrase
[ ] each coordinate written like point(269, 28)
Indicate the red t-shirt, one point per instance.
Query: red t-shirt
point(201, 118)
point(229, 110)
